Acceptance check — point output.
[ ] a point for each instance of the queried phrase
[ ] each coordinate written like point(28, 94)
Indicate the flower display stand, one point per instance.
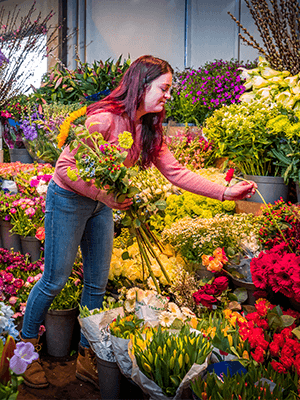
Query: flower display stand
point(9, 240)
point(59, 326)
point(248, 207)
point(31, 245)
point(270, 187)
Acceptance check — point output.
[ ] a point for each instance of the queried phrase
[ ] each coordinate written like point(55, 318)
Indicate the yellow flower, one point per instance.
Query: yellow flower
point(65, 126)
point(125, 140)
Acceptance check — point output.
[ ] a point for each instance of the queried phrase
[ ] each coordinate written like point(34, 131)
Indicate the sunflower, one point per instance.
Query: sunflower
point(64, 129)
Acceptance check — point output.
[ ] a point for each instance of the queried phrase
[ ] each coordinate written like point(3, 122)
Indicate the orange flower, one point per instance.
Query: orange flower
point(66, 125)
point(220, 255)
point(215, 265)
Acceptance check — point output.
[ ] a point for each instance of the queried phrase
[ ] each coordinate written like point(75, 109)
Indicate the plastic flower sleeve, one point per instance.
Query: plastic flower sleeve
point(95, 330)
point(154, 391)
point(120, 349)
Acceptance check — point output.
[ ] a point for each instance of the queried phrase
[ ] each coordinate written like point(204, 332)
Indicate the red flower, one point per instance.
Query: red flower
point(220, 283)
point(278, 367)
point(229, 175)
point(258, 354)
point(274, 349)
point(204, 299)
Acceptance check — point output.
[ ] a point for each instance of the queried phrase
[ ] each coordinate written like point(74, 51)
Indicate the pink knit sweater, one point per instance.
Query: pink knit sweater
point(111, 125)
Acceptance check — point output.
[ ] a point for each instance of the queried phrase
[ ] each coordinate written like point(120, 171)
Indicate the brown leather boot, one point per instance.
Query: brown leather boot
point(34, 375)
point(86, 366)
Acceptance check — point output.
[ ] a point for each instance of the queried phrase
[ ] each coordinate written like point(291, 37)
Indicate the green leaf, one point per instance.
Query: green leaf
point(296, 332)
point(241, 294)
point(287, 320)
point(161, 204)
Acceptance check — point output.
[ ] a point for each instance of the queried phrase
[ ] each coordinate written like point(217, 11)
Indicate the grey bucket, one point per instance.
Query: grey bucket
point(59, 326)
point(31, 245)
point(270, 187)
point(21, 155)
point(9, 240)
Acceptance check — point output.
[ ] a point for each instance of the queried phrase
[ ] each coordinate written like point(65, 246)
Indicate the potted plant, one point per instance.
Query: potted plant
point(27, 215)
point(61, 317)
point(40, 127)
point(197, 93)
point(241, 133)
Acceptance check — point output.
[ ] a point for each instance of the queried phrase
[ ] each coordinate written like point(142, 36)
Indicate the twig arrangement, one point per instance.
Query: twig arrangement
point(279, 31)
point(22, 33)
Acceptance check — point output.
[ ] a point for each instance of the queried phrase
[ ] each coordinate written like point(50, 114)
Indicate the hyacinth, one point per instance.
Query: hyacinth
point(29, 127)
point(7, 322)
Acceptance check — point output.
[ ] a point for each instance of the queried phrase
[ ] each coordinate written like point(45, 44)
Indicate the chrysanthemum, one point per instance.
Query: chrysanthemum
point(187, 312)
point(166, 318)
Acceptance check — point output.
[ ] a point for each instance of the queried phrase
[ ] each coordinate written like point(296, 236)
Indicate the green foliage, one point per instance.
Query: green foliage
point(64, 86)
point(258, 383)
point(70, 296)
point(240, 133)
point(192, 205)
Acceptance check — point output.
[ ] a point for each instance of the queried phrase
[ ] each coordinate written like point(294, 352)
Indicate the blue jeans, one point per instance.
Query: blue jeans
point(71, 220)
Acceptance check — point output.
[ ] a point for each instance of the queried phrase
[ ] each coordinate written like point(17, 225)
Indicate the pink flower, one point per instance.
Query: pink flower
point(30, 279)
point(38, 277)
point(13, 210)
point(42, 329)
point(12, 301)
point(5, 114)
point(30, 211)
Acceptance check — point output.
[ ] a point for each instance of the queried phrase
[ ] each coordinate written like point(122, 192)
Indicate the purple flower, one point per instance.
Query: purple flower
point(24, 355)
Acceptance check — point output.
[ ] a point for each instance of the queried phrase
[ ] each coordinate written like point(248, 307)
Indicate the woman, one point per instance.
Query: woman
point(77, 213)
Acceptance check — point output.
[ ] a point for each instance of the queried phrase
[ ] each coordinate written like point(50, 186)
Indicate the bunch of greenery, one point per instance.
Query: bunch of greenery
point(240, 132)
point(93, 81)
point(197, 93)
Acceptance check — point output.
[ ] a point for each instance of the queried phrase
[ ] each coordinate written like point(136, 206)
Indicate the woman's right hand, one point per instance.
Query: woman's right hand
point(110, 200)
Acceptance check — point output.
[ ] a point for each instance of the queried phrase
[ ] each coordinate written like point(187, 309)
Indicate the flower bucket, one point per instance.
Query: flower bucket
point(270, 187)
point(9, 240)
point(59, 326)
point(113, 384)
point(31, 245)
point(21, 155)
point(250, 287)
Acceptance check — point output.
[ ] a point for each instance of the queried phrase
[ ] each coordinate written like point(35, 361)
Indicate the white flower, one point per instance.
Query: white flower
point(129, 305)
point(131, 294)
point(166, 318)
point(174, 309)
point(41, 189)
point(187, 312)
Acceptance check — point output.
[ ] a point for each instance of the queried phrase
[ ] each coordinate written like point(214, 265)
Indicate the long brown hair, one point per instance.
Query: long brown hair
point(128, 96)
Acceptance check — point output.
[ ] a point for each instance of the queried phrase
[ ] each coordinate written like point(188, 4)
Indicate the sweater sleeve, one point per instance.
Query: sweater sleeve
point(182, 177)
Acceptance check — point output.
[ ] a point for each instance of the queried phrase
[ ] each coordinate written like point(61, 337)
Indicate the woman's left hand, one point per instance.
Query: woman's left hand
point(240, 191)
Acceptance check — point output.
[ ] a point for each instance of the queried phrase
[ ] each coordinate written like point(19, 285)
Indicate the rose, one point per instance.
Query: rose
point(40, 233)
point(205, 299)
point(220, 283)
